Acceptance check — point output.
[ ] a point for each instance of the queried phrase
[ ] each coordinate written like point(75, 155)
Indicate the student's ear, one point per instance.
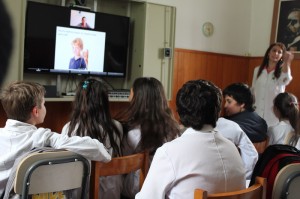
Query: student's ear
point(276, 112)
point(242, 106)
point(33, 116)
point(35, 112)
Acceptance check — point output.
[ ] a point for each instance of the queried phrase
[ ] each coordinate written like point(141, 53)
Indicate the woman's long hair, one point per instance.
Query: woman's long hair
point(265, 61)
point(91, 115)
point(149, 110)
point(287, 105)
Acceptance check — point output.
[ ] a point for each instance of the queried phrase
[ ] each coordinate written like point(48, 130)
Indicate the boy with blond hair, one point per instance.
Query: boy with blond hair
point(24, 105)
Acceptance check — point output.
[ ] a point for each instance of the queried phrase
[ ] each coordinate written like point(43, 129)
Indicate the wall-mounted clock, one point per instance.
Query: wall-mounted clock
point(208, 29)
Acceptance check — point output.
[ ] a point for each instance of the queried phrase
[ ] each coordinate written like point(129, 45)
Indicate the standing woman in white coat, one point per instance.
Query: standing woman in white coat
point(270, 79)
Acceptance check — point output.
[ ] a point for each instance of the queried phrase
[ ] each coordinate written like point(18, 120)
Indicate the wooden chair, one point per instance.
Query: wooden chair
point(256, 191)
point(118, 166)
point(51, 172)
point(261, 146)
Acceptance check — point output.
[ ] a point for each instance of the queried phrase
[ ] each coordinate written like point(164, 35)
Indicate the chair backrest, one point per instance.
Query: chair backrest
point(118, 166)
point(261, 146)
point(256, 191)
point(287, 182)
point(51, 172)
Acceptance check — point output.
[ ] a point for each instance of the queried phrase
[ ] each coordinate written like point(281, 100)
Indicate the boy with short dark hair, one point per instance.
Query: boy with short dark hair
point(201, 157)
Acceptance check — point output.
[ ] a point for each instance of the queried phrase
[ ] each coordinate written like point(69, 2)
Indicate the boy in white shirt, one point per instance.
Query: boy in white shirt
point(23, 103)
point(201, 157)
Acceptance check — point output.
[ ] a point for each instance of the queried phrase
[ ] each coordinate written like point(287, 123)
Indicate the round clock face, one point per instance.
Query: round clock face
point(208, 29)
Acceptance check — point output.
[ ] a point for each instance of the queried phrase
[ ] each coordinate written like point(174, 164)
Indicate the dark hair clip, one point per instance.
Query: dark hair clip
point(85, 84)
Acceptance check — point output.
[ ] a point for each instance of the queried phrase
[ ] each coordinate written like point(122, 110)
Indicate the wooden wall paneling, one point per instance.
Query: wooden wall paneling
point(220, 72)
point(117, 107)
point(228, 72)
point(218, 68)
point(241, 66)
point(189, 67)
point(214, 69)
point(235, 69)
point(253, 62)
point(294, 87)
point(58, 114)
point(202, 66)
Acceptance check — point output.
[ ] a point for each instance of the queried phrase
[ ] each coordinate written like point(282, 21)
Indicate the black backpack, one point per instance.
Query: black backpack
point(271, 161)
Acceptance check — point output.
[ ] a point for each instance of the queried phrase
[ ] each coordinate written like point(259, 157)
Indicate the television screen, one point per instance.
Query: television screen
point(66, 40)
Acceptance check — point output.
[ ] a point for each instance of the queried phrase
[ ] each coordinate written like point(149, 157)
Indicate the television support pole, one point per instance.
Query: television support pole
point(58, 86)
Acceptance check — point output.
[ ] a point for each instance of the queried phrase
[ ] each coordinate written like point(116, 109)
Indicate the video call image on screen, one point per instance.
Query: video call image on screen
point(78, 49)
point(82, 19)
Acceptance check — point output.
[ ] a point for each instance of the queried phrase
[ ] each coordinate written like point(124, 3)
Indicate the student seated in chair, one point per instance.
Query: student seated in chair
point(91, 117)
point(238, 137)
point(239, 108)
point(286, 109)
point(232, 131)
point(201, 156)
point(148, 122)
point(24, 105)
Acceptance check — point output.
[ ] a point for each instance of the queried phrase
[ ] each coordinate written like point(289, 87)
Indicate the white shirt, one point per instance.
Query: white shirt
point(278, 132)
point(65, 131)
point(197, 159)
point(234, 133)
point(17, 138)
point(131, 183)
point(132, 141)
point(265, 89)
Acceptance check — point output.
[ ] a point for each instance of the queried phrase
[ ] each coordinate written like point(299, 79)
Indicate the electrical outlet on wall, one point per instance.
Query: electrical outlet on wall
point(167, 52)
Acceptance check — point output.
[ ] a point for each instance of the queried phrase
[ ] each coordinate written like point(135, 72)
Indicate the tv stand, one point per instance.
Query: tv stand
point(58, 85)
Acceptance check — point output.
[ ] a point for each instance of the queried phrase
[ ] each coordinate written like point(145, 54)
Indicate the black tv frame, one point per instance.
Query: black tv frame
point(40, 34)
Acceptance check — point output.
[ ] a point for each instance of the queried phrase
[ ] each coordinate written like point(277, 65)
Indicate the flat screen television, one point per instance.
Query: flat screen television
point(69, 40)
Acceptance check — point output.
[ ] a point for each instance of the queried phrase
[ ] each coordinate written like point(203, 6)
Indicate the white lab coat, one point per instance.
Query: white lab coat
point(278, 132)
point(197, 159)
point(234, 133)
point(131, 184)
point(17, 138)
point(265, 89)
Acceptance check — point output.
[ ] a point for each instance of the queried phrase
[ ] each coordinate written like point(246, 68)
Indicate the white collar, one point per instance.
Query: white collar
point(205, 129)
